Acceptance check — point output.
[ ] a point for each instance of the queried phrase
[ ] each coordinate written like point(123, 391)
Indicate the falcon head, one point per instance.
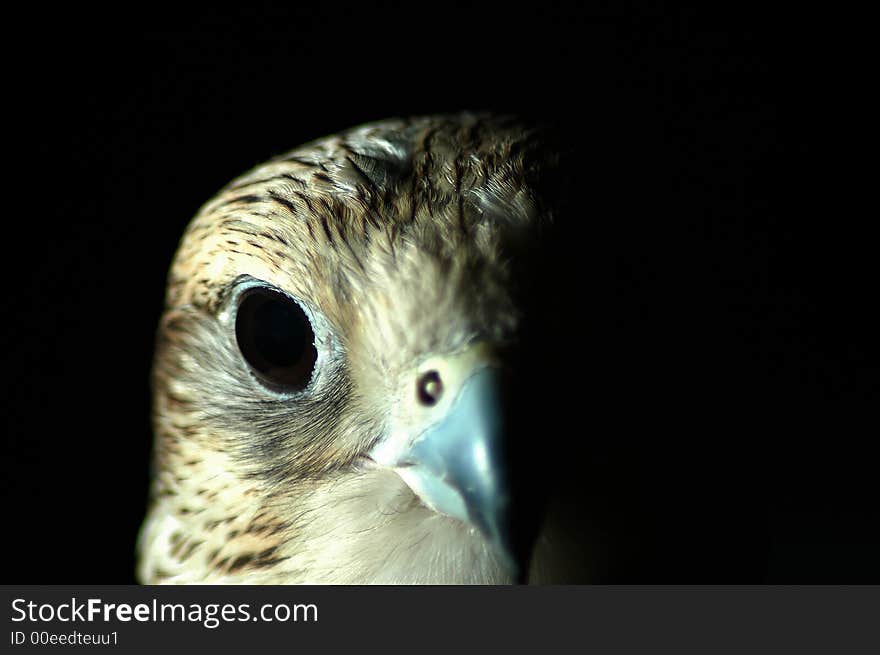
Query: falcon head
point(336, 381)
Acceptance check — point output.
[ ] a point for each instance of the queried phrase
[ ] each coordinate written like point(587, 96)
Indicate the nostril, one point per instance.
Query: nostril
point(429, 388)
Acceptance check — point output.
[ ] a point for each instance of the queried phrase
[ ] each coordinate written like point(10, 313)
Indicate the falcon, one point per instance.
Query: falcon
point(336, 369)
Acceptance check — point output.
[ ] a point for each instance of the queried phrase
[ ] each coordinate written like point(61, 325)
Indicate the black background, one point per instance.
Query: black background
point(720, 316)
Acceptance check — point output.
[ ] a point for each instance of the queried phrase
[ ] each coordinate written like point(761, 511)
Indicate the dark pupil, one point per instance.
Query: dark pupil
point(276, 338)
point(279, 334)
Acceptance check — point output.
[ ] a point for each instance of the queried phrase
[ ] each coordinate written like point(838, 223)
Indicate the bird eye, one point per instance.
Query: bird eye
point(276, 339)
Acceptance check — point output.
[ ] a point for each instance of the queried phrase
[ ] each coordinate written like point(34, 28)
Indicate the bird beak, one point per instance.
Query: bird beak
point(456, 466)
point(457, 463)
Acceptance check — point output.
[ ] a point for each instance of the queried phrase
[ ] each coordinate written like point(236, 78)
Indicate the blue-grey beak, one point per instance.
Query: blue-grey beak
point(458, 465)
point(450, 442)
